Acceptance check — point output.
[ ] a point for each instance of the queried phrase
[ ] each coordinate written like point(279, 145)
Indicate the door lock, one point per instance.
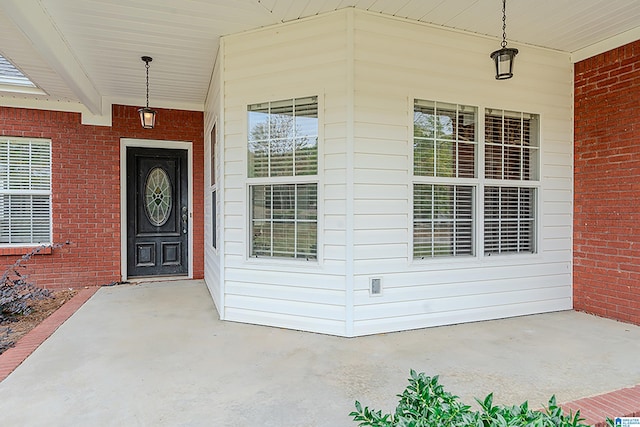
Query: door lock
point(185, 219)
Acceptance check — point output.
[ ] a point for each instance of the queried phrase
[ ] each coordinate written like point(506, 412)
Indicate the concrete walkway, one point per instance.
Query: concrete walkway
point(156, 355)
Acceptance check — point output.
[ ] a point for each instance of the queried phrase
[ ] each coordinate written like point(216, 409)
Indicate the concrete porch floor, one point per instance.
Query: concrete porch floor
point(155, 354)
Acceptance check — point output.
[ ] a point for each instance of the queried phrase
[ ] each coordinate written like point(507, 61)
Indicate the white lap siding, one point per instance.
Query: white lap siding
point(366, 70)
point(296, 60)
point(395, 63)
point(214, 256)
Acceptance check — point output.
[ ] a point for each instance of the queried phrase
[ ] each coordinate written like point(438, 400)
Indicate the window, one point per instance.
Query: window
point(509, 219)
point(448, 181)
point(442, 220)
point(284, 220)
point(511, 166)
point(214, 190)
point(444, 164)
point(25, 191)
point(283, 168)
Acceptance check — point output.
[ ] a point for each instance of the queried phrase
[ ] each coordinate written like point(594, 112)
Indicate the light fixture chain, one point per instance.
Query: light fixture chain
point(504, 24)
point(147, 67)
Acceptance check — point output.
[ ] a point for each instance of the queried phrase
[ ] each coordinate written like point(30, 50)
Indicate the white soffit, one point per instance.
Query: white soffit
point(88, 51)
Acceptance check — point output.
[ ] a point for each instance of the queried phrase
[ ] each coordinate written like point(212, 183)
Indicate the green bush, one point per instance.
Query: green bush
point(425, 403)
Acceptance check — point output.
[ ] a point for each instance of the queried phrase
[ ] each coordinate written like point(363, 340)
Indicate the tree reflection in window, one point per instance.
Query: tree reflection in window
point(283, 168)
point(445, 140)
point(283, 138)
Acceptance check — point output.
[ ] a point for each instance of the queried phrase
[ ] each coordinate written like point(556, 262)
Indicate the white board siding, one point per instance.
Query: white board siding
point(366, 70)
point(267, 65)
point(448, 303)
point(474, 314)
point(399, 61)
point(396, 292)
point(297, 320)
point(213, 257)
point(287, 307)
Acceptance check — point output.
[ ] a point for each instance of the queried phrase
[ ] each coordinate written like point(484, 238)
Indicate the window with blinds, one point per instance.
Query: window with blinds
point(444, 140)
point(453, 196)
point(283, 138)
point(511, 145)
point(509, 220)
point(511, 168)
point(284, 220)
point(442, 220)
point(283, 168)
point(444, 161)
point(25, 191)
point(214, 189)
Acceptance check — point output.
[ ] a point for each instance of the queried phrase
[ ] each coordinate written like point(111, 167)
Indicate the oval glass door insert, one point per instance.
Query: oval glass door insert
point(157, 197)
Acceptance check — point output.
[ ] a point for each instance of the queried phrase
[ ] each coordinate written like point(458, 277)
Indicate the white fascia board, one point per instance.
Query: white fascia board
point(606, 45)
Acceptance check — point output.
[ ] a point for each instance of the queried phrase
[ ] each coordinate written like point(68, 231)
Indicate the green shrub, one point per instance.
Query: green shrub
point(425, 403)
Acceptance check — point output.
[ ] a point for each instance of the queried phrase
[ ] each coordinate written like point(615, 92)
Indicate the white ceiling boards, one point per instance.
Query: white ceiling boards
point(86, 53)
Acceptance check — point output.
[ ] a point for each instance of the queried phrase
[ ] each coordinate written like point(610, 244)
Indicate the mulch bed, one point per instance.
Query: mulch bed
point(42, 308)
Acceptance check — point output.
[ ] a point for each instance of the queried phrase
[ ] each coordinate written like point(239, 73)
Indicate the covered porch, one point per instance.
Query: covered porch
point(133, 355)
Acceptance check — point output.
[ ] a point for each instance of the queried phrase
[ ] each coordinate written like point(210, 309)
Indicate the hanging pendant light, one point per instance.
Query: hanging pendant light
point(147, 115)
point(503, 58)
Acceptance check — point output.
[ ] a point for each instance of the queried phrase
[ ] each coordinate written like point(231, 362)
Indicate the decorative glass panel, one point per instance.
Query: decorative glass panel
point(157, 196)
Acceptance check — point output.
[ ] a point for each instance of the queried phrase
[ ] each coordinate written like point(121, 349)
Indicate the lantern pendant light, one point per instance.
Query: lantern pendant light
point(147, 115)
point(503, 58)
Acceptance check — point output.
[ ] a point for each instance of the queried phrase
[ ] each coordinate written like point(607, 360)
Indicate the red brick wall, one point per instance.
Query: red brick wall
point(86, 188)
point(606, 271)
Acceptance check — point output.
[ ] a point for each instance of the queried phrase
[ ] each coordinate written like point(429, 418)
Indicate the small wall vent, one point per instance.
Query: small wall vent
point(375, 286)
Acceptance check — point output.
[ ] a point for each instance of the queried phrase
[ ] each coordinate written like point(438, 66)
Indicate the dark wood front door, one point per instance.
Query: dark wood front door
point(157, 212)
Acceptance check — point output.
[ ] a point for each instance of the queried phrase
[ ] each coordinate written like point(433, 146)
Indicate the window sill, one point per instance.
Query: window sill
point(22, 250)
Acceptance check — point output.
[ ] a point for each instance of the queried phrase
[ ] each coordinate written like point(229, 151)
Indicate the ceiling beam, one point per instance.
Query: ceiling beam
point(36, 25)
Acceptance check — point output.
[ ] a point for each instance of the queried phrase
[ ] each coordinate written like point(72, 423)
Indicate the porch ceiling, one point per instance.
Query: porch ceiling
point(85, 54)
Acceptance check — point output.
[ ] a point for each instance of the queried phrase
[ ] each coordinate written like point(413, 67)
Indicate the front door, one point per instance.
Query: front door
point(157, 212)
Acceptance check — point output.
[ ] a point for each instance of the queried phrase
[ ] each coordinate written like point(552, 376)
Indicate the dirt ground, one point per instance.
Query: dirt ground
point(41, 310)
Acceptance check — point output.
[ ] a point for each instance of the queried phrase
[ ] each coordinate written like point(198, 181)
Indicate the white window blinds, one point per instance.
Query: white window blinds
point(283, 167)
point(511, 160)
point(25, 191)
point(455, 193)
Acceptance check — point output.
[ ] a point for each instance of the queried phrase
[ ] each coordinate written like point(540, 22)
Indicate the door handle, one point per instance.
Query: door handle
point(185, 219)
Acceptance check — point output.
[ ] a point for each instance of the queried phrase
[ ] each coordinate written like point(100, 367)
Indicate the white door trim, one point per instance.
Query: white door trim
point(151, 143)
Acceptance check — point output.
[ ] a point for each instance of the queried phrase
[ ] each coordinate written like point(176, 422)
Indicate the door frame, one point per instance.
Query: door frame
point(126, 143)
